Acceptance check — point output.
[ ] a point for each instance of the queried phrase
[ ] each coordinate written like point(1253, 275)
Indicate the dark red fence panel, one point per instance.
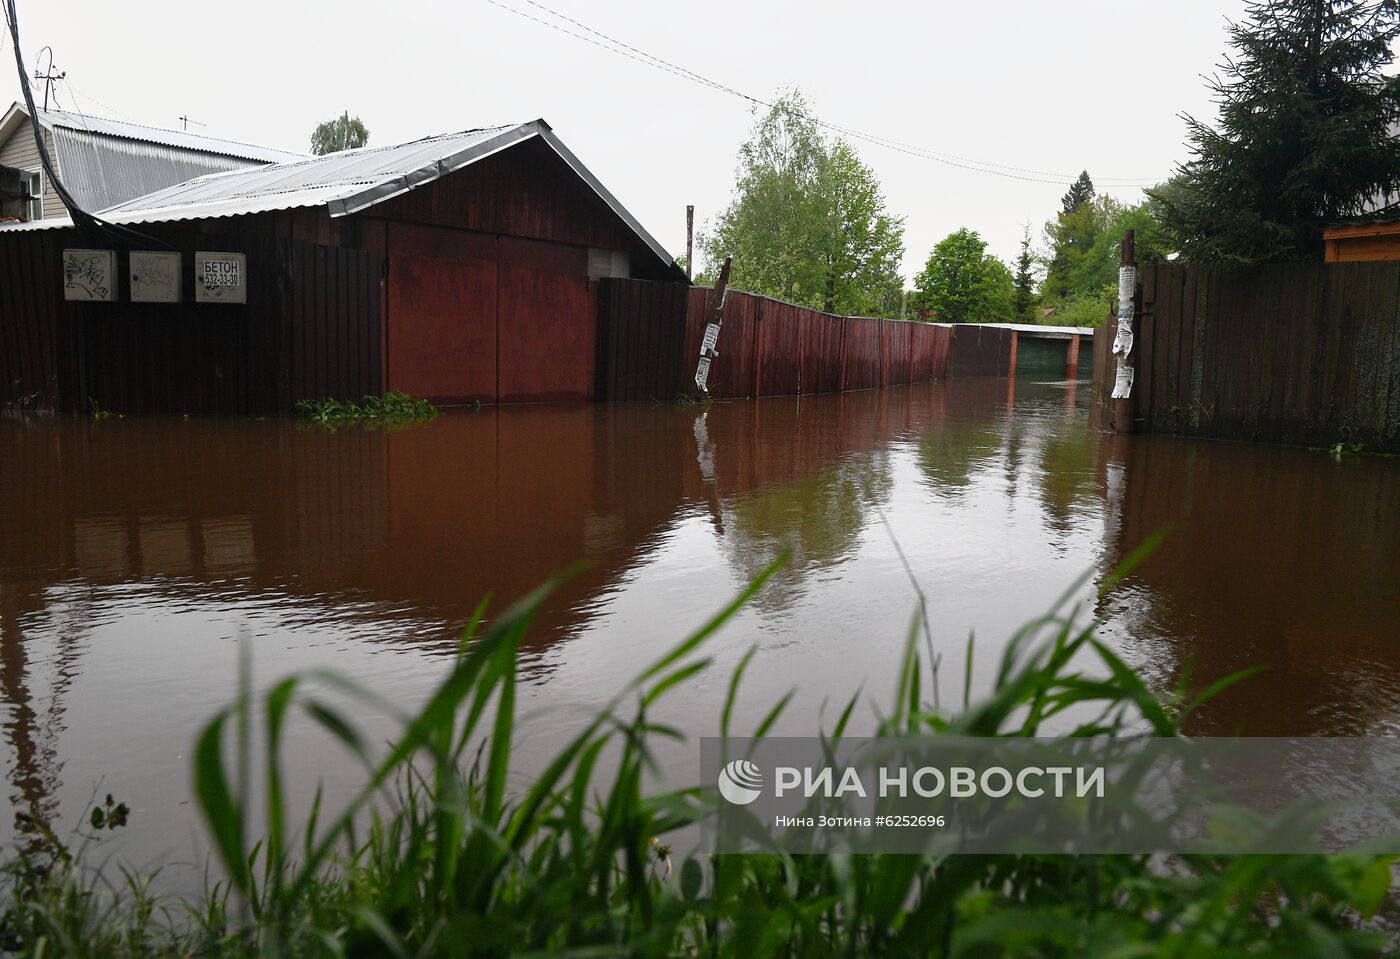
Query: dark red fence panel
point(733, 371)
point(778, 348)
point(770, 348)
point(863, 354)
point(899, 347)
point(821, 352)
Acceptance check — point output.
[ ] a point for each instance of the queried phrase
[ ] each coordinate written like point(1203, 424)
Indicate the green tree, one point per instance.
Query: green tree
point(1304, 134)
point(962, 283)
point(342, 133)
point(1025, 280)
point(1080, 191)
point(807, 222)
point(1069, 236)
point(1090, 240)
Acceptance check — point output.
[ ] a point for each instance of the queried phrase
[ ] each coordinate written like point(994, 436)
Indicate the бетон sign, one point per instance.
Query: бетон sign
point(220, 278)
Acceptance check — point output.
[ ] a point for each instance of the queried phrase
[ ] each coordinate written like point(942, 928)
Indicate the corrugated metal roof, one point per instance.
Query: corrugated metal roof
point(101, 171)
point(179, 139)
point(346, 182)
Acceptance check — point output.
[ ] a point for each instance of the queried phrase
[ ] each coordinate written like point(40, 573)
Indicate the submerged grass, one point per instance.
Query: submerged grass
point(454, 863)
point(392, 407)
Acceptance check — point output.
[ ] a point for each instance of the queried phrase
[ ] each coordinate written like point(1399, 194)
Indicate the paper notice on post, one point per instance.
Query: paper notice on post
point(1123, 383)
point(1123, 340)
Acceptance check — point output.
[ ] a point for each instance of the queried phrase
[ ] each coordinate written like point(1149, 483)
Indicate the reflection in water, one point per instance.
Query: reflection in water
point(1281, 559)
point(134, 552)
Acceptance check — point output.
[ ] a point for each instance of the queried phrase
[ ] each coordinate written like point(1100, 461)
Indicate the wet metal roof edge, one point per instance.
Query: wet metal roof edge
point(395, 186)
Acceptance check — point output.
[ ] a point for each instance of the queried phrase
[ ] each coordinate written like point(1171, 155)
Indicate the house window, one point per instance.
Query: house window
point(34, 201)
point(605, 263)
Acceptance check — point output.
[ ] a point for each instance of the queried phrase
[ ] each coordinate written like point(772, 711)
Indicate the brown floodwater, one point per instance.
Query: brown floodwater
point(139, 556)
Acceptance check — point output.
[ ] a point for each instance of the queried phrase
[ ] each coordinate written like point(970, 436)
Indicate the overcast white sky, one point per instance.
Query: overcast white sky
point(1053, 87)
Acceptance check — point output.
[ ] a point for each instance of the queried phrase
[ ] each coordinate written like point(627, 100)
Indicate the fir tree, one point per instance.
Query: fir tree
point(1025, 281)
point(1304, 134)
point(1081, 191)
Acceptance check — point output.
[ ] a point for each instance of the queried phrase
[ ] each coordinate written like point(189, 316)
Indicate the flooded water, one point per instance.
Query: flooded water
point(138, 555)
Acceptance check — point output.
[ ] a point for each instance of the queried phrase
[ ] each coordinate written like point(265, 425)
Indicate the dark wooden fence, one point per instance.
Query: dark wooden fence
point(981, 351)
point(1303, 353)
point(641, 334)
point(31, 278)
point(310, 329)
point(649, 341)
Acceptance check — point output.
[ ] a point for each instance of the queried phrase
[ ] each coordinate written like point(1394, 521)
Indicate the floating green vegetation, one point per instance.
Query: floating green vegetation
point(392, 407)
point(457, 860)
point(99, 414)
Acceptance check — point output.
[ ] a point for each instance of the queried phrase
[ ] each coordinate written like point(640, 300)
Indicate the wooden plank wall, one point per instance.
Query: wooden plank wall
point(333, 338)
point(310, 329)
point(980, 351)
point(767, 347)
point(31, 278)
point(1300, 353)
point(641, 338)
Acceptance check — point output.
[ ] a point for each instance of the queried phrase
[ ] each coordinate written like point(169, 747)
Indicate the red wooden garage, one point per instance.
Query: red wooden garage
point(459, 268)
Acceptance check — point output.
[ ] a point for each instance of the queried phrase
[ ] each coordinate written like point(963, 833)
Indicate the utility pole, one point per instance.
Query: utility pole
point(1123, 337)
point(185, 122)
point(690, 242)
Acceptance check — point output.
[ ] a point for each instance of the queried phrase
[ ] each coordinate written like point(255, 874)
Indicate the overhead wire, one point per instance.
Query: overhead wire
point(88, 224)
point(631, 52)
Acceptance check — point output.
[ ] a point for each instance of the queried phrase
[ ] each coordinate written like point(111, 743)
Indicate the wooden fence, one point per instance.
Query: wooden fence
point(1300, 353)
point(311, 329)
point(649, 341)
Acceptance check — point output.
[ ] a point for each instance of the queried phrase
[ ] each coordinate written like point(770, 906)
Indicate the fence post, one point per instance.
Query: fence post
point(1123, 338)
point(690, 242)
point(709, 344)
point(1072, 358)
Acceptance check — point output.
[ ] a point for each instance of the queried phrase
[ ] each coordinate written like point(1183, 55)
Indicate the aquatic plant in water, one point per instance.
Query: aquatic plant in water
point(393, 406)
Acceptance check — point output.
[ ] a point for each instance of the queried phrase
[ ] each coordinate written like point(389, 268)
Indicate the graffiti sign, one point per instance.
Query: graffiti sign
point(90, 276)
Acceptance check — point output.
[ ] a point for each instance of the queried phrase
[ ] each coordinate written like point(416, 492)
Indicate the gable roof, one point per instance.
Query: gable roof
point(105, 162)
point(351, 181)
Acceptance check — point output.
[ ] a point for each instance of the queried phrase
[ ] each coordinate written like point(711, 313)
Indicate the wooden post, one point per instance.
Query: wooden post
point(690, 242)
point(1011, 364)
point(1072, 358)
point(709, 343)
point(1123, 338)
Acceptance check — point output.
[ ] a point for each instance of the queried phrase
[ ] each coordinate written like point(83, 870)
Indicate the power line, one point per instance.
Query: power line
point(621, 48)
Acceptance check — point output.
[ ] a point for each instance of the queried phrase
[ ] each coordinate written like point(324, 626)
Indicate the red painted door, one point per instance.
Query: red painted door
point(547, 322)
point(442, 325)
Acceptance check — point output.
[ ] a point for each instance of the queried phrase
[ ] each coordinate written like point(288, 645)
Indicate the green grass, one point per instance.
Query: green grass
point(455, 863)
point(392, 407)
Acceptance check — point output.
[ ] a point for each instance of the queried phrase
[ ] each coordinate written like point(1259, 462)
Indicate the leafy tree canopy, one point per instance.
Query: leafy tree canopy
point(962, 283)
point(342, 133)
point(807, 222)
point(1304, 134)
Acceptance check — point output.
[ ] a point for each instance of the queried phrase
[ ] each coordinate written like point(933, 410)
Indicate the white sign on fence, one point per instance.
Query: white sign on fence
point(220, 278)
point(702, 373)
point(707, 346)
point(90, 276)
point(155, 277)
